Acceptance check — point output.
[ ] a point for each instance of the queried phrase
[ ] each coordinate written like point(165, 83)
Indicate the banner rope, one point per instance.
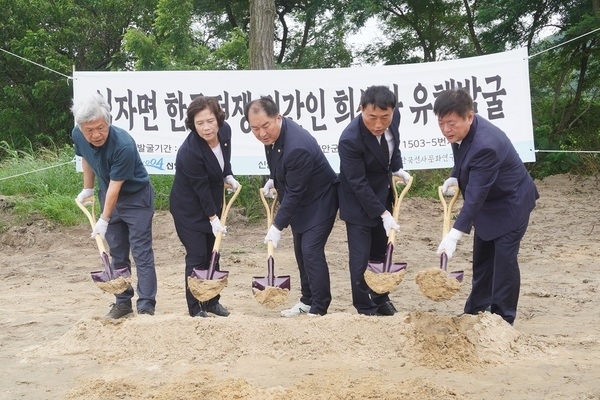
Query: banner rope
point(34, 63)
point(37, 170)
point(562, 44)
point(568, 151)
point(531, 56)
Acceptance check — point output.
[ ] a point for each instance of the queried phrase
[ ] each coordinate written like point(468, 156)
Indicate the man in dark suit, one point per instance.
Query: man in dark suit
point(369, 156)
point(499, 196)
point(306, 187)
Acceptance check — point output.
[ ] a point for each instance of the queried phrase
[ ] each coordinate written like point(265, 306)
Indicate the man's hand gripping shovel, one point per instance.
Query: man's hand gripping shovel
point(382, 277)
point(458, 275)
point(111, 280)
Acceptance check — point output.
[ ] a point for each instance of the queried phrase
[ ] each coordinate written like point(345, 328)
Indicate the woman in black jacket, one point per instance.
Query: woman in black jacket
point(202, 167)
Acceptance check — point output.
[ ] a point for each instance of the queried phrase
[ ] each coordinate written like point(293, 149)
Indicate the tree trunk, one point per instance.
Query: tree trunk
point(262, 31)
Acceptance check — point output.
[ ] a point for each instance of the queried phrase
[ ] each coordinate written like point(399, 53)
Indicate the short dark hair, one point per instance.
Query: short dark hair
point(449, 101)
point(202, 103)
point(265, 104)
point(379, 96)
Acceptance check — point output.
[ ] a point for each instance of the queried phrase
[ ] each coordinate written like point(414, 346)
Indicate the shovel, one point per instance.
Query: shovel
point(270, 290)
point(458, 275)
point(107, 279)
point(198, 279)
point(388, 266)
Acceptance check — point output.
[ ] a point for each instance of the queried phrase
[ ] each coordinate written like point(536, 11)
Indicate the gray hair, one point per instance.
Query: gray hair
point(91, 108)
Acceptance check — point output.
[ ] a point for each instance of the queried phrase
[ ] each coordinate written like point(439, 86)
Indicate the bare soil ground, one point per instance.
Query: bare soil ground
point(55, 343)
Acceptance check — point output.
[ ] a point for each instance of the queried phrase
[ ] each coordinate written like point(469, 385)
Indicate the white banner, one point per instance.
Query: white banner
point(151, 105)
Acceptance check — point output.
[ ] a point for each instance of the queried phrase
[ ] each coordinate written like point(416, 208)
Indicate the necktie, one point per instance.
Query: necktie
point(385, 149)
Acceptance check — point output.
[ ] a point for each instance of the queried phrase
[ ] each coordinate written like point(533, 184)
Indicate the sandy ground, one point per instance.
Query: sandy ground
point(55, 343)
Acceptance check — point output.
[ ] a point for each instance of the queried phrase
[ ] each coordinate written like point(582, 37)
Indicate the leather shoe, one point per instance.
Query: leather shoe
point(118, 311)
point(386, 309)
point(218, 309)
point(201, 314)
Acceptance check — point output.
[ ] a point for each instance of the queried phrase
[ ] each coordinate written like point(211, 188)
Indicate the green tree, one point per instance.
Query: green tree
point(420, 31)
point(564, 86)
point(35, 102)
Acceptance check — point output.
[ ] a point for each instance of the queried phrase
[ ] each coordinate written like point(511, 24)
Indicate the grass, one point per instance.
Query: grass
point(45, 183)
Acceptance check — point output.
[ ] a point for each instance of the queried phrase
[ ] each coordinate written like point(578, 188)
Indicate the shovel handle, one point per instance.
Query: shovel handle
point(270, 211)
point(444, 261)
point(397, 200)
point(398, 197)
point(227, 205)
point(92, 219)
point(225, 212)
point(447, 208)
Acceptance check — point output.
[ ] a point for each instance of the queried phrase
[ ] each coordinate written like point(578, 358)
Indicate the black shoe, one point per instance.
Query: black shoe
point(218, 309)
point(147, 311)
point(118, 311)
point(202, 314)
point(386, 309)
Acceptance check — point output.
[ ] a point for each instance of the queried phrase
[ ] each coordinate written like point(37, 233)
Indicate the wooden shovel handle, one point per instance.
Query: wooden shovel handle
point(270, 211)
point(447, 208)
point(397, 200)
point(92, 219)
point(225, 211)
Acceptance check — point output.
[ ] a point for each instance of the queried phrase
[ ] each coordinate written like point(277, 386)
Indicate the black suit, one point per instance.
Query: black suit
point(196, 195)
point(498, 196)
point(306, 186)
point(365, 193)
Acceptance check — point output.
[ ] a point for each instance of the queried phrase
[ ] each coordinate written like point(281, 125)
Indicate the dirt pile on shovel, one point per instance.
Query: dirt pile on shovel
point(115, 286)
point(384, 282)
point(436, 285)
point(205, 289)
point(271, 296)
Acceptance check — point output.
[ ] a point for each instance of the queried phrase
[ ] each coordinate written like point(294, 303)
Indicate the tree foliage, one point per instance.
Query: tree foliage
point(34, 107)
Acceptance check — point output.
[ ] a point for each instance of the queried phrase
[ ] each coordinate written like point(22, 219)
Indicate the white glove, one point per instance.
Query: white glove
point(447, 190)
point(230, 180)
point(448, 243)
point(85, 193)
point(217, 227)
point(402, 174)
point(389, 223)
point(273, 235)
point(100, 228)
point(267, 189)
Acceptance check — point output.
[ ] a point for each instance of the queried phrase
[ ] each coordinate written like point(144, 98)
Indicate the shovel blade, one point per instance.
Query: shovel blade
point(387, 265)
point(107, 276)
point(458, 275)
point(211, 273)
point(261, 283)
point(208, 274)
point(109, 273)
point(380, 267)
point(282, 282)
point(100, 276)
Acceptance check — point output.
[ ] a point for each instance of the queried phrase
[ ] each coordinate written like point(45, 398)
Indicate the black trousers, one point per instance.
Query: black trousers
point(309, 248)
point(496, 274)
point(365, 244)
point(198, 249)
